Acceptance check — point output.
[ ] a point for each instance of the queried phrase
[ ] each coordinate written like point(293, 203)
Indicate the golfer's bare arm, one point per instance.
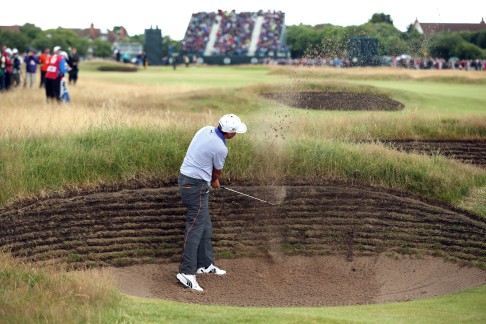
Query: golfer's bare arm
point(215, 179)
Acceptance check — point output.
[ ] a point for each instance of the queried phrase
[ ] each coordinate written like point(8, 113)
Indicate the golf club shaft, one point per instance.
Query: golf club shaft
point(223, 187)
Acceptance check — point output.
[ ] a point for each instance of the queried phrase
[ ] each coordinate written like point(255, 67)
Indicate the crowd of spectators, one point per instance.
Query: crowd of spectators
point(197, 33)
point(438, 63)
point(235, 33)
point(270, 36)
point(17, 69)
point(399, 62)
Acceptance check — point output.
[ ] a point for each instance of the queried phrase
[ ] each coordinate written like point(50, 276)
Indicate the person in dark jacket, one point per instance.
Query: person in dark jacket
point(16, 67)
point(73, 62)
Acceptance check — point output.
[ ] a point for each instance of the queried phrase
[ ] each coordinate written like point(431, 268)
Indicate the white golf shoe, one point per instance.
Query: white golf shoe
point(189, 281)
point(211, 269)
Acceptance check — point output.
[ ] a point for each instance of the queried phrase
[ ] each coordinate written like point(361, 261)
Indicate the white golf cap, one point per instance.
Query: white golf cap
point(64, 54)
point(56, 48)
point(15, 51)
point(232, 124)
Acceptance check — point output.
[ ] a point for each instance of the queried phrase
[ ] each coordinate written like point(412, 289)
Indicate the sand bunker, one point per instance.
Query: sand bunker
point(303, 281)
point(466, 151)
point(332, 244)
point(336, 100)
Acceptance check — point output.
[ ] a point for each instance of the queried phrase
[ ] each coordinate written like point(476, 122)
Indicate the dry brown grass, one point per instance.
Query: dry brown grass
point(34, 294)
point(384, 72)
point(95, 104)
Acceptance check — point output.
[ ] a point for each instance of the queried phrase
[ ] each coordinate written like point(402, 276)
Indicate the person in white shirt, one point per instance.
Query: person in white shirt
point(200, 169)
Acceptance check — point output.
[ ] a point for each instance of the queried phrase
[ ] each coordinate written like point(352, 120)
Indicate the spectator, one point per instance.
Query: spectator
point(16, 67)
point(3, 68)
point(30, 68)
point(64, 94)
point(145, 60)
point(173, 61)
point(73, 62)
point(55, 71)
point(7, 63)
point(44, 62)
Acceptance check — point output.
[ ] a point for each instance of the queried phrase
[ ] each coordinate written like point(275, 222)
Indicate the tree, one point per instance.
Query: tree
point(14, 40)
point(442, 44)
point(101, 48)
point(468, 51)
point(30, 31)
point(395, 46)
point(381, 18)
point(302, 39)
point(481, 41)
point(137, 39)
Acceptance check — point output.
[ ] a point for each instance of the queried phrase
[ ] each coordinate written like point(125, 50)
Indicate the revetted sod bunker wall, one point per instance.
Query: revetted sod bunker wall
point(146, 225)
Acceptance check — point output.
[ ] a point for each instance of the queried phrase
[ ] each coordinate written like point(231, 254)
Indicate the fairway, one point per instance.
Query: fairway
point(470, 98)
point(196, 77)
point(372, 205)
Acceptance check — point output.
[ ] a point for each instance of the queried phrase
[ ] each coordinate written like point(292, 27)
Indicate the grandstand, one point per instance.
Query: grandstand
point(227, 37)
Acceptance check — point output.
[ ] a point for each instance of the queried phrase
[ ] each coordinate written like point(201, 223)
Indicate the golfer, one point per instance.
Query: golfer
point(202, 167)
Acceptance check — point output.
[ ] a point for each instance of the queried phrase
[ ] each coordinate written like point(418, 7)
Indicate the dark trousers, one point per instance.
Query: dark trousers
point(53, 88)
point(3, 82)
point(197, 251)
point(73, 76)
point(43, 79)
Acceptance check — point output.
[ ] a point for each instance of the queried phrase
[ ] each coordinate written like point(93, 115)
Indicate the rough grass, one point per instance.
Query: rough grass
point(51, 163)
point(384, 73)
point(29, 294)
point(118, 128)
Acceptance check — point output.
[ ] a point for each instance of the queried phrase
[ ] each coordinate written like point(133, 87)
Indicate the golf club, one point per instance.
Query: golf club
point(223, 187)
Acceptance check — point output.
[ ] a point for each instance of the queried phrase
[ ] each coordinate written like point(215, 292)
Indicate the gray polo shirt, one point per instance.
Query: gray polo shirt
point(206, 151)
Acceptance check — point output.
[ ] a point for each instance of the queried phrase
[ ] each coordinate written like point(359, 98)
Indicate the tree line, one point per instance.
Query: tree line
point(302, 40)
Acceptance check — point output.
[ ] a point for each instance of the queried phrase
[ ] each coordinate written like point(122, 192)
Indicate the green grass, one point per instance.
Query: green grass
point(439, 97)
point(464, 307)
point(200, 77)
point(282, 144)
point(29, 294)
point(53, 163)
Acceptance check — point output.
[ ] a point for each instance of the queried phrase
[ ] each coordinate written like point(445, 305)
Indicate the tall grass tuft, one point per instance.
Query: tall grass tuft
point(30, 294)
point(42, 165)
point(35, 165)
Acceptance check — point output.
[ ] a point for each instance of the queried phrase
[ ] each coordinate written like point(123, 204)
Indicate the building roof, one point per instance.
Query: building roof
point(15, 28)
point(432, 28)
point(93, 33)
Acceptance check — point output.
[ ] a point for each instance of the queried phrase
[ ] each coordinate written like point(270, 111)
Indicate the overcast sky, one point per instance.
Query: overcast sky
point(172, 17)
